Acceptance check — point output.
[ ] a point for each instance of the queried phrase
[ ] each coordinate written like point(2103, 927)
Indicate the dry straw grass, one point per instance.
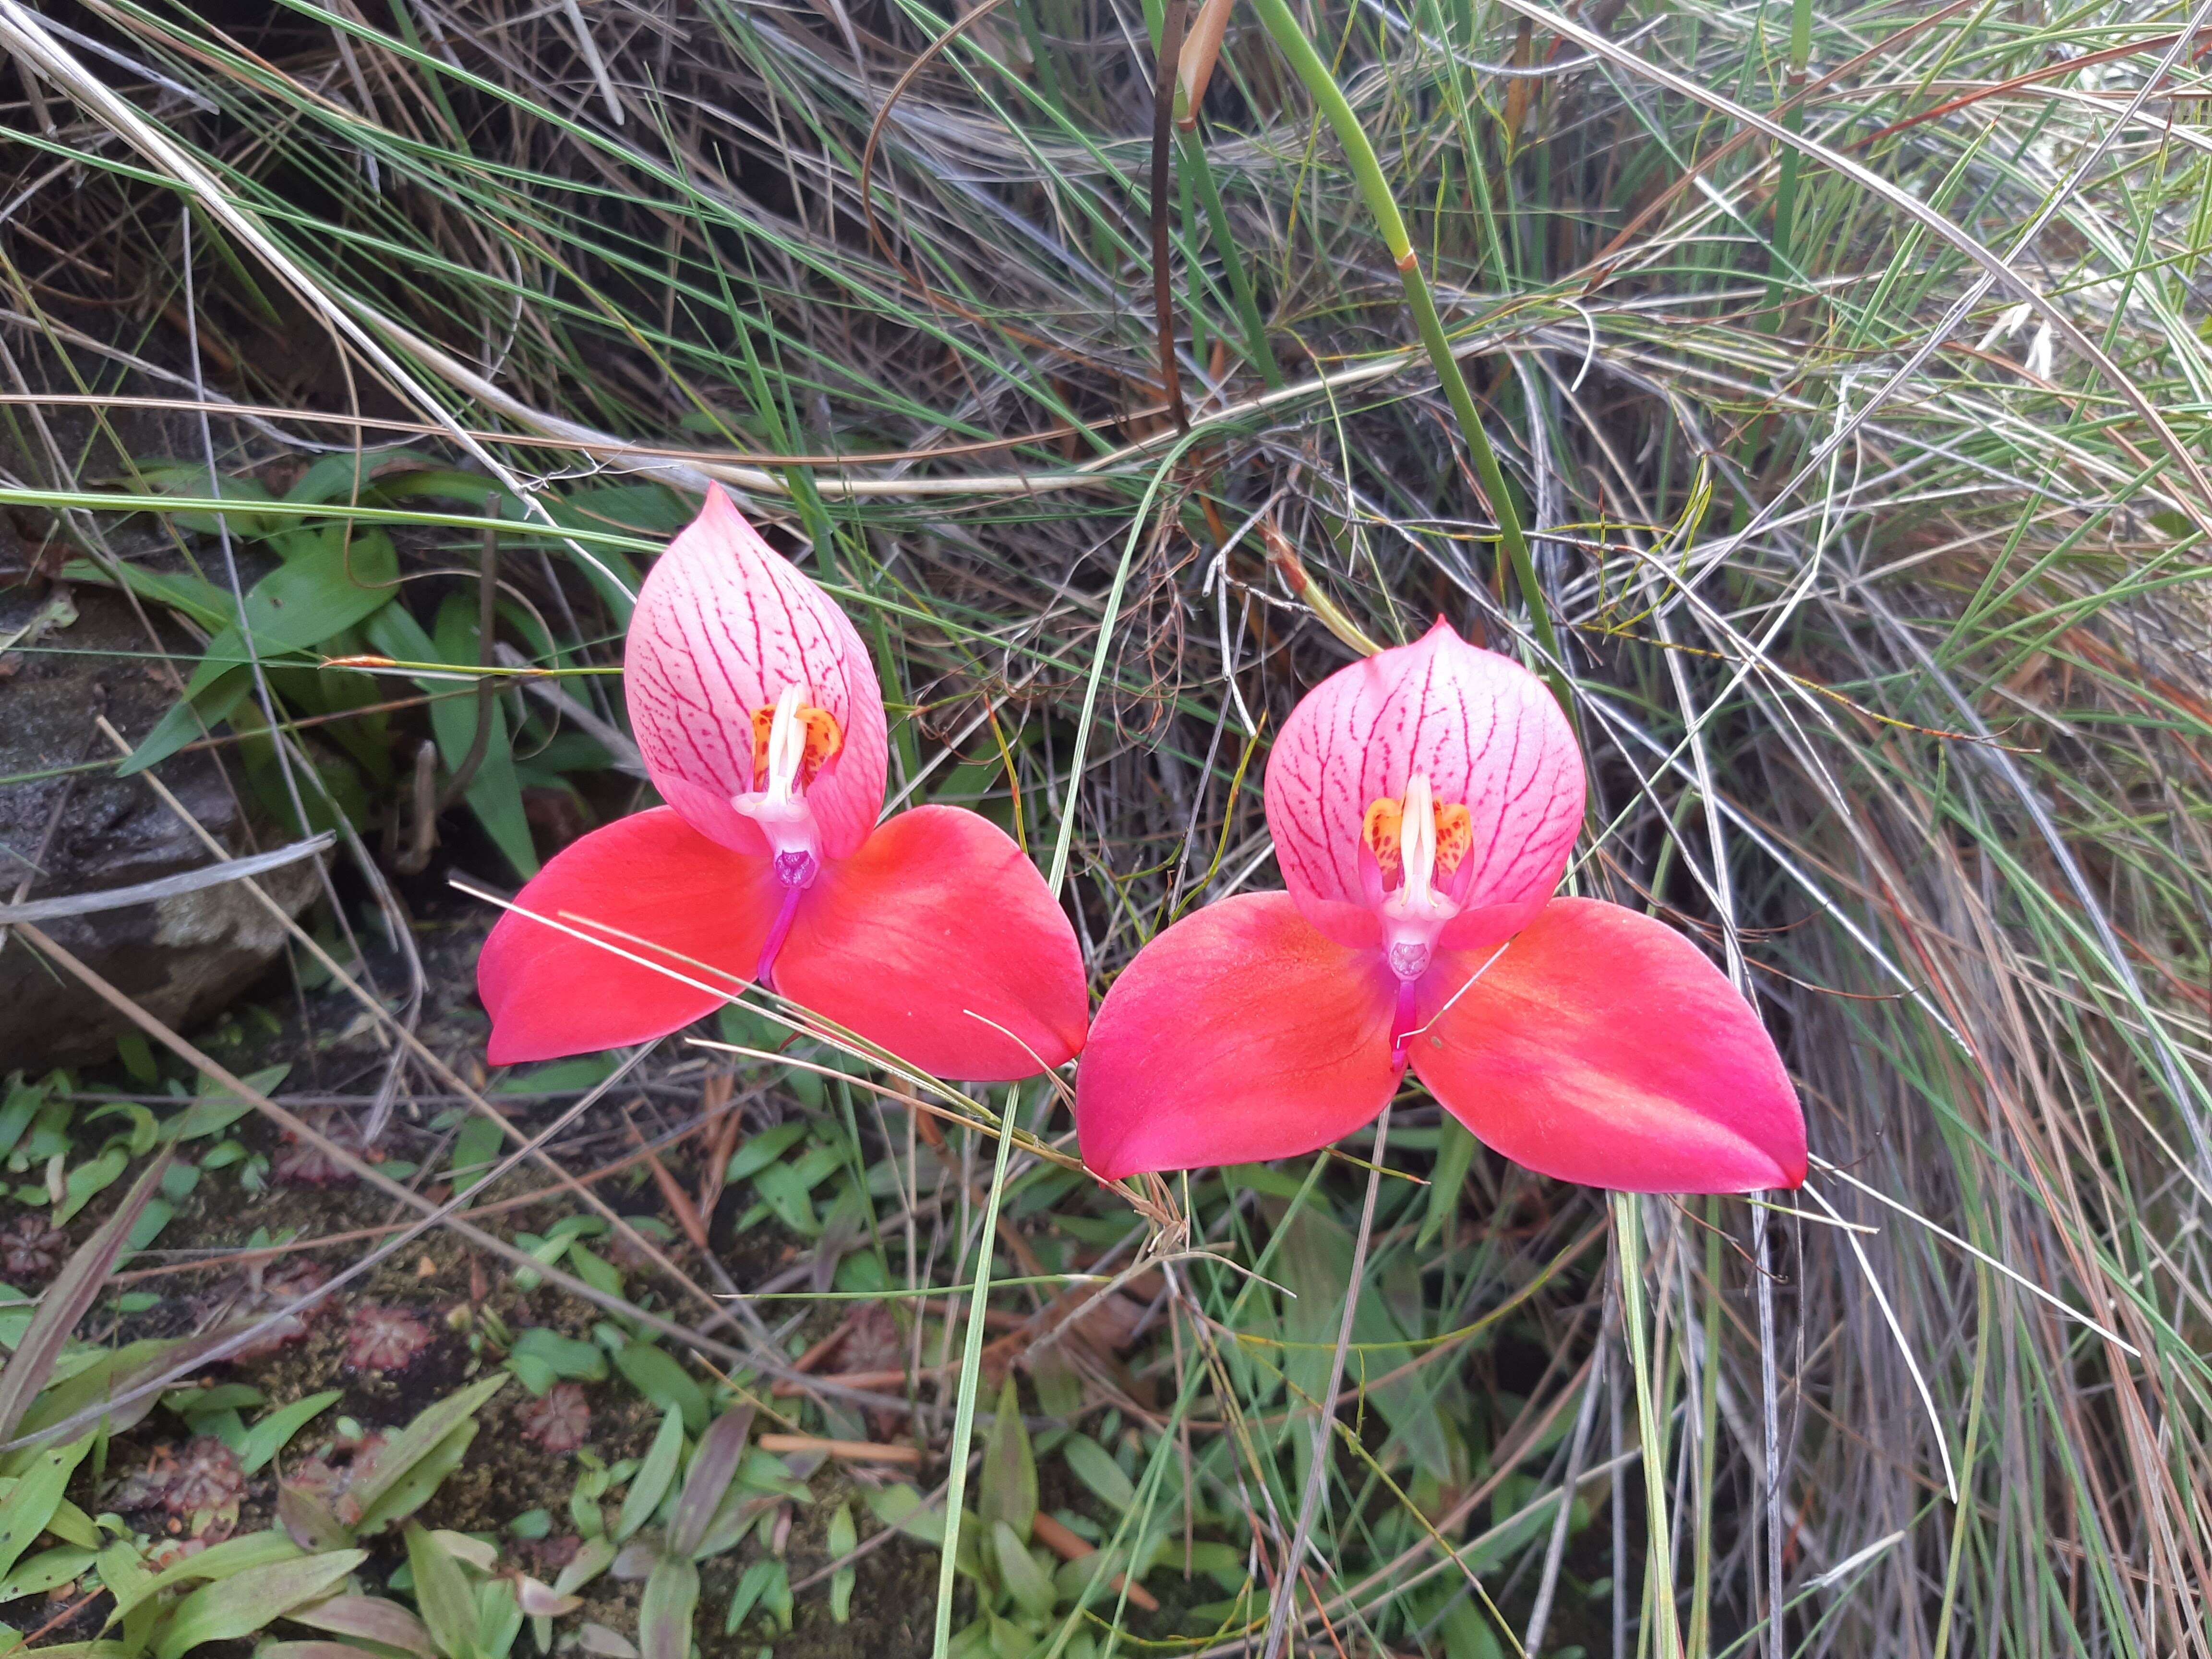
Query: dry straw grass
point(1848, 365)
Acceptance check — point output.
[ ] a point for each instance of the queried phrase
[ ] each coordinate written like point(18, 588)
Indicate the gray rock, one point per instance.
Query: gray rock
point(183, 957)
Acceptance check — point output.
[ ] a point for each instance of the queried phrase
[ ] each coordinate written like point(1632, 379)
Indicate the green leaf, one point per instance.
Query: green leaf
point(1467, 1633)
point(73, 1526)
point(654, 1476)
point(903, 1508)
point(1455, 1155)
point(202, 601)
point(569, 1357)
point(499, 1618)
point(371, 1618)
point(1024, 1579)
point(843, 1538)
point(90, 1179)
point(763, 1150)
point(755, 1586)
point(787, 1194)
point(1008, 1488)
point(1094, 1466)
point(594, 1270)
point(442, 1592)
point(204, 708)
point(273, 1432)
point(246, 1601)
point(661, 1378)
point(664, 1613)
point(415, 1487)
point(214, 1563)
point(30, 1504)
point(216, 1108)
point(430, 1440)
point(476, 1150)
point(35, 1575)
point(713, 1467)
point(294, 607)
point(240, 497)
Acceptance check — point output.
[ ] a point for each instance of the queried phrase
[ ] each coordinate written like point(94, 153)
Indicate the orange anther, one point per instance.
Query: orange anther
point(1383, 831)
point(1454, 835)
point(1385, 817)
point(824, 739)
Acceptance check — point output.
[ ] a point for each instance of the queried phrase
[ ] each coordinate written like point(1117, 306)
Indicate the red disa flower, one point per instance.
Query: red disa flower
point(760, 723)
point(1424, 803)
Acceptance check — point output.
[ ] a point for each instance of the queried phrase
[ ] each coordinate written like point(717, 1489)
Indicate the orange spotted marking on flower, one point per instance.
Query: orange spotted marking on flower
point(824, 739)
point(1454, 835)
point(1383, 830)
point(1385, 817)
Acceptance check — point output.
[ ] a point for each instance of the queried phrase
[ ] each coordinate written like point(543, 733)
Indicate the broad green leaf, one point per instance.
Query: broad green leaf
point(344, 477)
point(30, 1504)
point(215, 1108)
point(34, 1575)
point(202, 601)
point(1316, 1263)
point(1025, 1580)
point(714, 1465)
point(903, 1507)
point(843, 1538)
point(246, 1601)
point(653, 1478)
point(203, 709)
point(90, 1179)
point(1094, 1466)
point(371, 1618)
point(661, 1378)
point(761, 1150)
point(274, 1431)
point(476, 1150)
point(592, 1558)
point(214, 1563)
point(570, 1357)
point(240, 497)
point(432, 1428)
point(757, 1586)
point(498, 1618)
point(294, 607)
point(441, 1591)
point(415, 1488)
point(664, 1613)
point(1007, 1491)
point(73, 1526)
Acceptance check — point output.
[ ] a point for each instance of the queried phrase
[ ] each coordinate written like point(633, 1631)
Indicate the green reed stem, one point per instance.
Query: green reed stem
point(1367, 169)
point(971, 1371)
point(1628, 1235)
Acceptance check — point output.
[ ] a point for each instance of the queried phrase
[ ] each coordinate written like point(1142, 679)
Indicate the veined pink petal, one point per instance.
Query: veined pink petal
point(648, 877)
point(1489, 738)
point(723, 624)
point(938, 920)
point(1241, 1033)
point(1600, 1046)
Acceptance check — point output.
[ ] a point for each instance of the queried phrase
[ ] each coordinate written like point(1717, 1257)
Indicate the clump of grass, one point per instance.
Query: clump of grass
point(1879, 585)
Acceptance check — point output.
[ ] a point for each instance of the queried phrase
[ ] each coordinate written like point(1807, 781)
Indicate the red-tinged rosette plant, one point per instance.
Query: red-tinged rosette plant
point(1424, 803)
point(760, 723)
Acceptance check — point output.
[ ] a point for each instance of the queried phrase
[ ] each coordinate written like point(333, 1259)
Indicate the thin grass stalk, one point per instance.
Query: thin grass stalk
point(1278, 1614)
point(1664, 1630)
point(1258, 351)
point(1367, 169)
point(1699, 1639)
point(971, 1375)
